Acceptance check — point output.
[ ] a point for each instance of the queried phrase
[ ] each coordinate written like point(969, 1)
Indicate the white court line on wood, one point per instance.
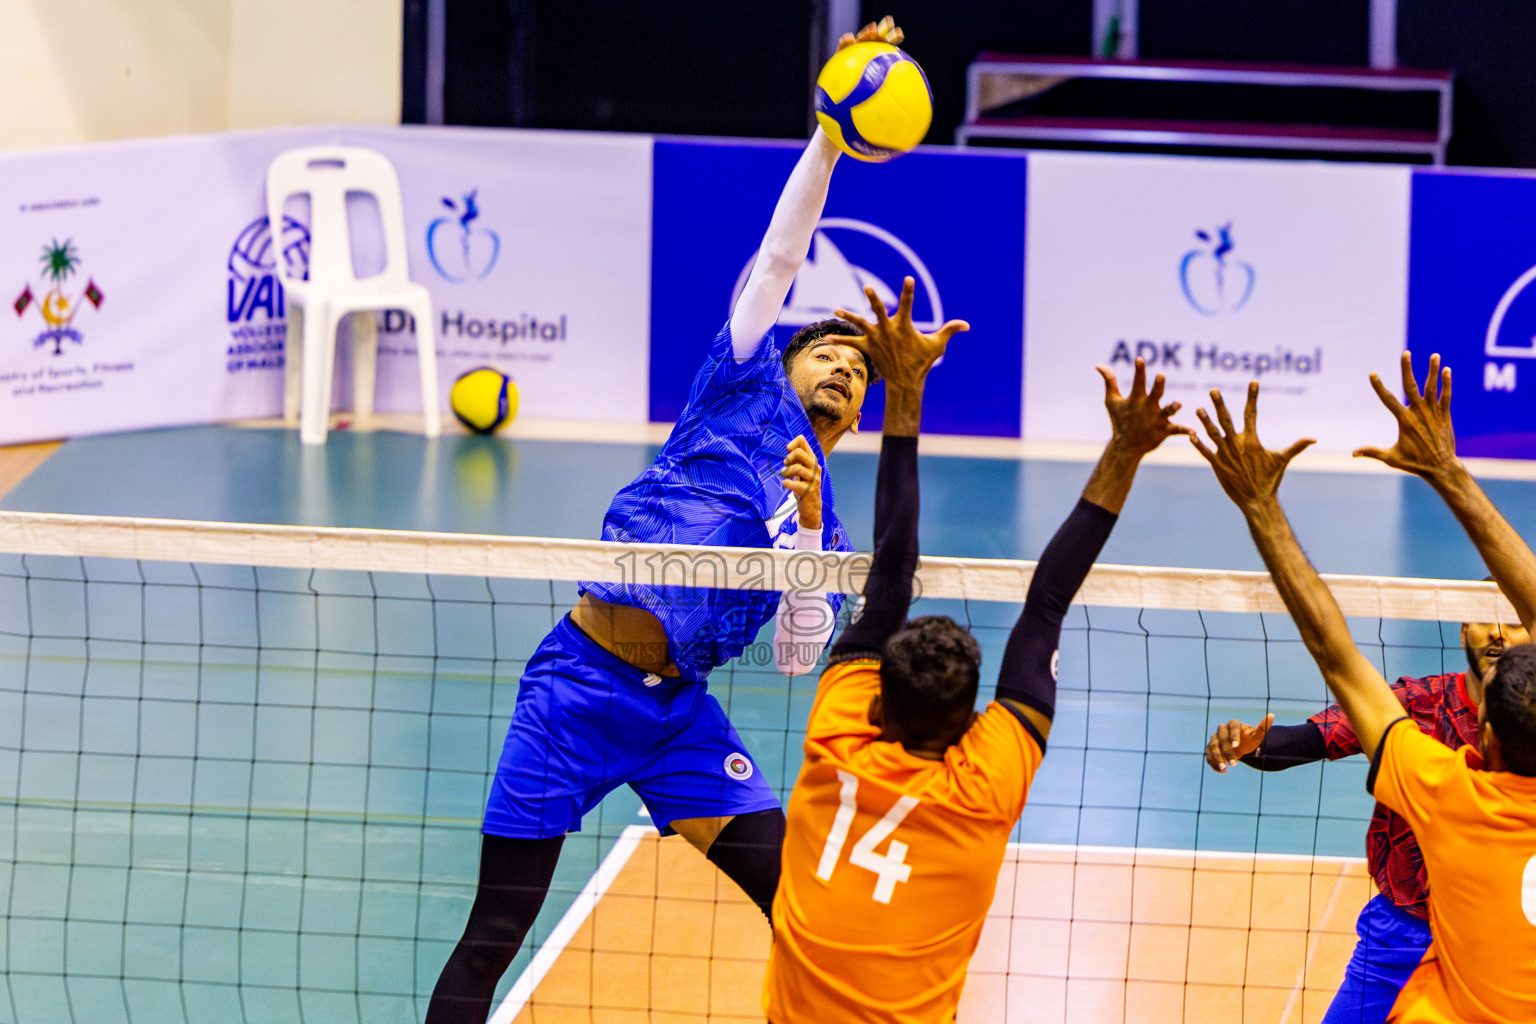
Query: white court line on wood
point(522, 989)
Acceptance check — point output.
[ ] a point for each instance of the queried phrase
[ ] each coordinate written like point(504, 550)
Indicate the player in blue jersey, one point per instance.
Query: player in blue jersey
point(615, 695)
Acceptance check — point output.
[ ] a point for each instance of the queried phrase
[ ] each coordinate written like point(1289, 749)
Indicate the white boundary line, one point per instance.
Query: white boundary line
point(586, 901)
point(1153, 851)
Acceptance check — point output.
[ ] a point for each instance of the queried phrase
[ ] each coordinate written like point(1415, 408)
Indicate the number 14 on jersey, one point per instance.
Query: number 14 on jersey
point(889, 867)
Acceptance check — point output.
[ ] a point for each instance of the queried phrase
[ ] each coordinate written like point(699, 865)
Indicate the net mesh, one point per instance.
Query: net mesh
point(242, 772)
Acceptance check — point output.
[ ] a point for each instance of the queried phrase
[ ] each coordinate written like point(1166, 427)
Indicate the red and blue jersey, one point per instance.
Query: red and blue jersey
point(717, 481)
point(1440, 707)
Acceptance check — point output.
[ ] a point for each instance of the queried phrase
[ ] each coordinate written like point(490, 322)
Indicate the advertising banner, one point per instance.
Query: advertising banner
point(1472, 289)
point(122, 286)
point(954, 223)
point(1217, 273)
point(536, 248)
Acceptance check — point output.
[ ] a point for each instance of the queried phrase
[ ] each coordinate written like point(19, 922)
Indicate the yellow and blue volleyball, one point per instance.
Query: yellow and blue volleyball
point(484, 399)
point(873, 101)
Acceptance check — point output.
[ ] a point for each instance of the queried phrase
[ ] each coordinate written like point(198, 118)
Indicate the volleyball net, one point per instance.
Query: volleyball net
point(242, 772)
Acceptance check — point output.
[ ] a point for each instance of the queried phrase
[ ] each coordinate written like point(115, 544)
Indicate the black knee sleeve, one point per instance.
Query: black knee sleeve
point(514, 879)
point(748, 851)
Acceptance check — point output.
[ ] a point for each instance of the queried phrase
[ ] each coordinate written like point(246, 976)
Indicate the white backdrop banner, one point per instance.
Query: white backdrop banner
point(142, 289)
point(537, 249)
point(117, 264)
point(1217, 273)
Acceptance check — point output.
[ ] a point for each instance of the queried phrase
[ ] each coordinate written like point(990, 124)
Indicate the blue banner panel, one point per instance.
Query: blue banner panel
point(953, 223)
point(1472, 298)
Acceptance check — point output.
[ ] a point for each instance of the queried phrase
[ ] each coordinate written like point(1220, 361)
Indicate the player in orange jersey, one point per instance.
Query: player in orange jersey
point(1473, 809)
point(899, 821)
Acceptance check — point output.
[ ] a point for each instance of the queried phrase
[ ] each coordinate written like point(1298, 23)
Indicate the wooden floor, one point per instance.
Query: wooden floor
point(1076, 936)
point(19, 460)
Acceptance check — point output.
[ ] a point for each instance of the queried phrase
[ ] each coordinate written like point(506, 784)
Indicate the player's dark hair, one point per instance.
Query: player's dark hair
point(1510, 704)
point(803, 338)
point(928, 679)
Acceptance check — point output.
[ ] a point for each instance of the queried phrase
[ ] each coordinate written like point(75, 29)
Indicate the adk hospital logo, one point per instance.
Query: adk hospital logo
point(847, 256)
point(1214, 283)
point(255, 305)
point(460, 249)
point(57, 307)
point(463, 250)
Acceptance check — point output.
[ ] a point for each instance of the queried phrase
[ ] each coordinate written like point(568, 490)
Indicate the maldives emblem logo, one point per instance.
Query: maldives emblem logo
point(57, 307)
point(461, 250)
point(1213, 282)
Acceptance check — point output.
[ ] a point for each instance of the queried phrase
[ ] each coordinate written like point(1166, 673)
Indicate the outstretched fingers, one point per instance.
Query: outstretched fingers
point(1410, 385)
point(1388, 399)
point(1222, 416)
point(1111, 385)
point(853, 319)
point(1251, 411)
point(950, 329)
point(1296, 449)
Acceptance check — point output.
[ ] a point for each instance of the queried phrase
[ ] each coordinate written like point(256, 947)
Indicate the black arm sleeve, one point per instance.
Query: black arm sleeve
point(1028, 674)
point(1286, 746)
point(888, 591)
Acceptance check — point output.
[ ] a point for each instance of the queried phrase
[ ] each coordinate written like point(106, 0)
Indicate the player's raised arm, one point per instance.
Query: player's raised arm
point(902, 356)
point(792, 226)
point(1426, 447)
point(1250, 475)
point(1027, 680)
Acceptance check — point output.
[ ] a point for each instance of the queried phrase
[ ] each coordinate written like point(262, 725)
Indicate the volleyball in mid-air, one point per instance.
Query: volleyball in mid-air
point(873, 101)
point(484, 399)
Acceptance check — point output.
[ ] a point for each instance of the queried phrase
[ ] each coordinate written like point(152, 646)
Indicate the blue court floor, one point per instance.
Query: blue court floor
point(209, 813)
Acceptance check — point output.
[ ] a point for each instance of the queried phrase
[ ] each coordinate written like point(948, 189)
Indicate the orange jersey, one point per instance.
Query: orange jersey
point(890, 862)
point(1477, 830)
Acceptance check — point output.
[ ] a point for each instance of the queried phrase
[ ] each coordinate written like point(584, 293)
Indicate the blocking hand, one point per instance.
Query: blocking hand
point(1425, 441)
point(902, 354)
point(1246, 470)
point(1140, 422)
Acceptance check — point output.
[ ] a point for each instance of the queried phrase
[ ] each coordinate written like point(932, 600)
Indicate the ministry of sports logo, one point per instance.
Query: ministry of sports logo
point(460, 249)
point(847, 256)
point(1214, 282)
point(61, 261)
point(738, 766)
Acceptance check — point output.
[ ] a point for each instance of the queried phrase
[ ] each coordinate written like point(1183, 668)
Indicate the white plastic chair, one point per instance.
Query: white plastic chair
point(333, 291)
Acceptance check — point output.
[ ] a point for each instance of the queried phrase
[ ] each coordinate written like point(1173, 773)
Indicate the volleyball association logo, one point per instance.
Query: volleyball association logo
point(846, 256)
point(57, 306)
point(255, 306)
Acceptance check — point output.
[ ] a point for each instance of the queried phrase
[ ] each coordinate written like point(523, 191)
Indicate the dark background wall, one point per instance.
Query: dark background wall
point(739, 68)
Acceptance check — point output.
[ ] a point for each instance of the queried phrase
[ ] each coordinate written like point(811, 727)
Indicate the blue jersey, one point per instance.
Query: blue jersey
point(716, 481)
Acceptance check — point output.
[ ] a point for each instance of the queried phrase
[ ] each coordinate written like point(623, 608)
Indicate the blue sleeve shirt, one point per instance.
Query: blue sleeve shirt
point(716, 482)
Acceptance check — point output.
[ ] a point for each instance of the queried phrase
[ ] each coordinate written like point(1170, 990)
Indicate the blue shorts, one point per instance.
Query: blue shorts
point(1392, 942)
point(587, 722)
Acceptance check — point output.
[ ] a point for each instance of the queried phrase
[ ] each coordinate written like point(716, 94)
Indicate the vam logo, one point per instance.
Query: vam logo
point(1214, 283)
point(58, 309)
point(459, 249)
point(255, 305)
point(1511, 333)
point(253, 285)
point(846, 255)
